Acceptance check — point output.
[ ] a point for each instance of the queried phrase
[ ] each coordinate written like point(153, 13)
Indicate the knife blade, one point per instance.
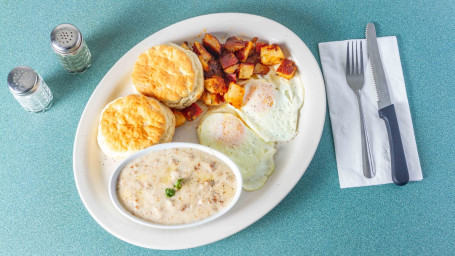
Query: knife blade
point(399, 168)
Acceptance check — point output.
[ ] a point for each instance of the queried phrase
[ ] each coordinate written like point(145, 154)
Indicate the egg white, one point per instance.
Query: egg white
point(271, 106)
point(223, 130)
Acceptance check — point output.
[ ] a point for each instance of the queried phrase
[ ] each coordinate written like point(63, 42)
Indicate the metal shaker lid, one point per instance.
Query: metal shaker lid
point(23, 80)
point(65, 38)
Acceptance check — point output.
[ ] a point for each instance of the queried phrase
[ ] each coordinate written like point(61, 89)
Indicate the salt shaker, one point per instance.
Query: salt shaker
point(29, 89)
point(70, 48)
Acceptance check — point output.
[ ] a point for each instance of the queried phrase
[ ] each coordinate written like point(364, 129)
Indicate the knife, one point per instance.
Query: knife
point(400, 175)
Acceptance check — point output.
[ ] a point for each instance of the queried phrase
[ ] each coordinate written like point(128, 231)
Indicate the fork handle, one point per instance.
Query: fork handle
point(400, 174)
point(367, 155)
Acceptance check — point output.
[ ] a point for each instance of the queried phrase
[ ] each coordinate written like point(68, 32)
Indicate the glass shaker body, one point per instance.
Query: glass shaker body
point(29, 89)
point(70, 48)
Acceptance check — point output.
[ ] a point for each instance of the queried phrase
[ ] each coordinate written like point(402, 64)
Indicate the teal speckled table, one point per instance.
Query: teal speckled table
point(41, 212)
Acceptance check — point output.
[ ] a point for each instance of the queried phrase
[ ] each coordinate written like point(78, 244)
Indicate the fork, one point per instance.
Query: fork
point(355, 78)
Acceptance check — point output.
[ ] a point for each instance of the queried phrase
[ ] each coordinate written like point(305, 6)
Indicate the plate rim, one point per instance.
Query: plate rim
point(319, 128)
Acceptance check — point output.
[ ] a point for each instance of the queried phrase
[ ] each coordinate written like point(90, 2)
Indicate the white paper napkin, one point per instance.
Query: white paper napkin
point(345, 117)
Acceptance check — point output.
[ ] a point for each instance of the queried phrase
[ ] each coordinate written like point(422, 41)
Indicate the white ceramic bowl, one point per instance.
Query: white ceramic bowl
point(217, 154)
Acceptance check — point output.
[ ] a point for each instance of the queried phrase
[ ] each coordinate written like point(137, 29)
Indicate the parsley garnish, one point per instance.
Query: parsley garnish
point(169, 192)
point(178, 185)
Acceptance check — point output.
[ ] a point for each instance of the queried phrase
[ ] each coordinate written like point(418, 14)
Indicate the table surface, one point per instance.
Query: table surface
point(40, 209)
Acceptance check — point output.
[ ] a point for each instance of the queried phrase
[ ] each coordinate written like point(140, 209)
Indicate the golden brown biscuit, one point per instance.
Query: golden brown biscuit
point(170, 74)
point(132, 123)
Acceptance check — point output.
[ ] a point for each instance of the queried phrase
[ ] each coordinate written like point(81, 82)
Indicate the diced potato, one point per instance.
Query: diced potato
point(286, 69)
point(271, 55)
point(212, 44)
point(234, 44)
point(232, 69)
point(179, 118)
point(211, 99)
point(234, 95)
point(246, 70)
point(201, 51)
point(191, 112)
point(258, 46)
point(227, 60)
point(186, 46)
point(215, 84)
point(261, 69)
point(243, 53)
point(205, 65)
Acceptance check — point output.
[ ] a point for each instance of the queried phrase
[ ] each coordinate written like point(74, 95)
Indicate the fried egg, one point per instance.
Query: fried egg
point(271, 106)
point(223, 130)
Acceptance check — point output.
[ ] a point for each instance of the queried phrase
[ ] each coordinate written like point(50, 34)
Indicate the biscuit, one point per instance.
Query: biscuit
point(170, 74)
point(132, 123)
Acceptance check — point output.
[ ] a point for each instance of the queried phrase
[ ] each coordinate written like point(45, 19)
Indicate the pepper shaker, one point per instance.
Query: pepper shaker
point(70, 48)
point(29, 89)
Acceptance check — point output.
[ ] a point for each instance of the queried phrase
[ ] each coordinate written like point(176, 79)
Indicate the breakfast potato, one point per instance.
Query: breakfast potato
point(212, 44)
point(286, 69)
point(204, 63)
point(258, 46)
point(234, 95)
point(234, 44)
point(179, 118)
point(201, 51)
point(215, 84)
point(228, 59)
point(271, 55)
point(261, 69)
point(211, 99)
point(246, 70)
point(243, 53)
point(185, 46)
point(232, 69)
point(191, 112)
point(235, 61)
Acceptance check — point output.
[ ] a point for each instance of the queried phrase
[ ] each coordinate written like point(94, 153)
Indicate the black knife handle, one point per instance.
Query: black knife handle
point(400, 173)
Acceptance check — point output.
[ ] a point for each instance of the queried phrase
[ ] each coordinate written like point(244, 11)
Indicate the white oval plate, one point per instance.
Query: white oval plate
point(92, 169)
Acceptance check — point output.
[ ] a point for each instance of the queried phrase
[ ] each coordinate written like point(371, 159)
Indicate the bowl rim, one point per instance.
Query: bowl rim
point(222, 157)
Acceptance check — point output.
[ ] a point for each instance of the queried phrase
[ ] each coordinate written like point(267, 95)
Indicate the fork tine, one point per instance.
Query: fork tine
point(361, 58)
point(356, 58)
point(352, 59)
point(348, 68)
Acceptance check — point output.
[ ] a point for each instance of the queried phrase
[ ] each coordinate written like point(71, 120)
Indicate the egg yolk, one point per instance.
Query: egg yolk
point(260, 96)
point(230, 130)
